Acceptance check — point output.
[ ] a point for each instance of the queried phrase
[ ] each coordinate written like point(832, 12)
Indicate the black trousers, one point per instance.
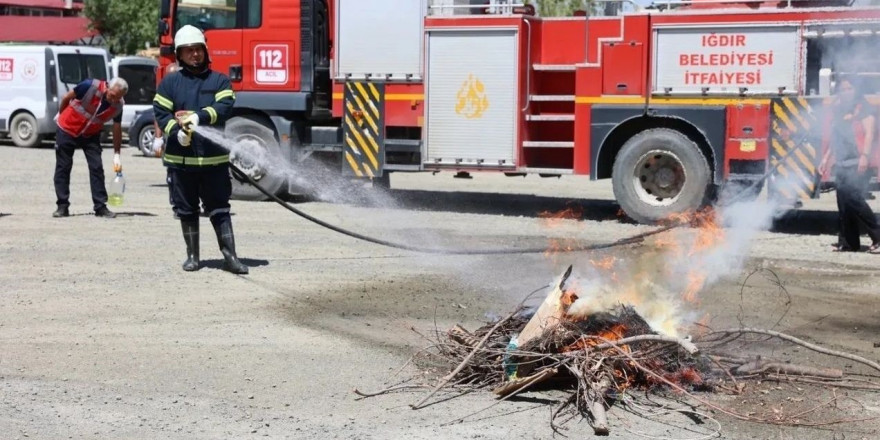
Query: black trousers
point(853, 209)
point(65, 145)
point(212, 185)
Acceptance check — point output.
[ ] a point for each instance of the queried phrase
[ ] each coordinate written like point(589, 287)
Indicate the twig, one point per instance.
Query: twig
point(386, 390)
point(730, 376)
point(464, 362)
point(813, 381)
point(597, 406)
point(779, 367)
point(803, 343)
point(686, 345)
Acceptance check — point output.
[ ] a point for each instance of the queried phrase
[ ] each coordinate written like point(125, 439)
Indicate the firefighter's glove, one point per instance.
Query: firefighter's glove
point(184, 137)
point(158, 143)
point(190, 122)
point(117, 163)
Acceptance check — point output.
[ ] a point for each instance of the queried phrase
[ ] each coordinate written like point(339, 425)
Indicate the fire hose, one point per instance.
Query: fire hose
point(634, 239)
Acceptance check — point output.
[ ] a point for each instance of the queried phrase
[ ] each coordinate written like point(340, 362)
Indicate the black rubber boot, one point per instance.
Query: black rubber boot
point(191, 237)
point(226, 240)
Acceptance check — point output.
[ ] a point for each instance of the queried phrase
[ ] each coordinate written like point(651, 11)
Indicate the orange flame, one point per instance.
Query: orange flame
point(606, 263)
point(695, 283)
point(612, 334)
point(555, 219)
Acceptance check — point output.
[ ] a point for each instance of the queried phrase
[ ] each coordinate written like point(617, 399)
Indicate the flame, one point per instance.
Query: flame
point(696, 280)
point(606, 263)
point(555, 219)
point(613, 333)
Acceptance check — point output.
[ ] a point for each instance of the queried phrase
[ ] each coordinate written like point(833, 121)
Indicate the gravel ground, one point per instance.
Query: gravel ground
point(103, 336)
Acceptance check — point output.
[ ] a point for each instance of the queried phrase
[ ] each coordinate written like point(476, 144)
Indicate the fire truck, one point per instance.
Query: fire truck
point(672, 102)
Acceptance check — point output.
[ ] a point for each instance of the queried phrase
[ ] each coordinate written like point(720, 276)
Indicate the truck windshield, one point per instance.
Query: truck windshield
point(74, 68)
point(205, 14)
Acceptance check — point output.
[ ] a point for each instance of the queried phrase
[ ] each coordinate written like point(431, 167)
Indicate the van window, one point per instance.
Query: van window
point(74, 68)
point(205, 16)
point(141, 81)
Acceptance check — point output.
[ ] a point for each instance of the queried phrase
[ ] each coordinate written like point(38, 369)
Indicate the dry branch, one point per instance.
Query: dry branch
point(518, 385)
point(688, 346)
point(463, 363)
point(802, 343)
point(597, 406)
point(760, 366)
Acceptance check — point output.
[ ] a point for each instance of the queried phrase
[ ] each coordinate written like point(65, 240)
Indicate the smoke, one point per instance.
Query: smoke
point(663, 282)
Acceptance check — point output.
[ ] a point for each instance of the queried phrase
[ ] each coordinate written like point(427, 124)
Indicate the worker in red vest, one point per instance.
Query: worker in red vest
point(81, 117)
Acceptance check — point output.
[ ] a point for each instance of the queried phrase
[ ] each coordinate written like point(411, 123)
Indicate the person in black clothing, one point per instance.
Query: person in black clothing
point(197, 96)
point(853, 124)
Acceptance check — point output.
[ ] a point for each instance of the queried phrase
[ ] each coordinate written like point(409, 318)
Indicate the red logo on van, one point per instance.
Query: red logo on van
point(5, 69)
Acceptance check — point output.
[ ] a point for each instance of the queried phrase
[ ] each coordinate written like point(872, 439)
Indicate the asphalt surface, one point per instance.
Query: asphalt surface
point(102, 335)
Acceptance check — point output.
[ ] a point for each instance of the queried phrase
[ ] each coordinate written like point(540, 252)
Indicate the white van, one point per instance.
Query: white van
point(34, 78)
point(140, 74)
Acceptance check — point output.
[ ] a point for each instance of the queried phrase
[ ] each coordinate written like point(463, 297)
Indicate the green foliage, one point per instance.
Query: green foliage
point(560, 8)
point(126, 24)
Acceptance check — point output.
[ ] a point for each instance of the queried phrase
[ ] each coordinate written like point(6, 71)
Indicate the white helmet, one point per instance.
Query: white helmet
point(189, 35)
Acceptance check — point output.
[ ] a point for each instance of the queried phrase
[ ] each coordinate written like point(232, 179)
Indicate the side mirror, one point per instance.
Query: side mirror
point(162, 27)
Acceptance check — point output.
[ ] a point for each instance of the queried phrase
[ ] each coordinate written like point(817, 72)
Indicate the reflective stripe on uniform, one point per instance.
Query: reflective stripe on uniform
point(170, 125)
point(228, 93)
point(196, 161)
point(163, 101)
point(213, 114)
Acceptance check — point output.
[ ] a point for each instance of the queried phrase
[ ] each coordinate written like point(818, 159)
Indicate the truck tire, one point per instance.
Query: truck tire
point(23, 131)
point(657, 173)
point(256, 150)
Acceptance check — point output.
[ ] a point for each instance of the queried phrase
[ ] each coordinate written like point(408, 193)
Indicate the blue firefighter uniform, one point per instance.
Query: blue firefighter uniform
point(197, 167)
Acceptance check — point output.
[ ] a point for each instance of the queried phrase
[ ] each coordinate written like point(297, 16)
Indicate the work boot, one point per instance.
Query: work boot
point(226, 240)
point(61, 212)
point(191, 237)
point(104, 212)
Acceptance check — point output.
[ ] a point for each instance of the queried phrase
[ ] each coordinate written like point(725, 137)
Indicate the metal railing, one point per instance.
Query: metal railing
point(455, 7)
point(671, 4)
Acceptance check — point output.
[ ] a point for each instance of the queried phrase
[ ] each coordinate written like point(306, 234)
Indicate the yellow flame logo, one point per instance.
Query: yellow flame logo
point(472, 100)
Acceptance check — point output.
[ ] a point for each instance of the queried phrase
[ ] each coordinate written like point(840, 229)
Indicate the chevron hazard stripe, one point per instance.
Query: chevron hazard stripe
point(792, 153)
point(363, 128)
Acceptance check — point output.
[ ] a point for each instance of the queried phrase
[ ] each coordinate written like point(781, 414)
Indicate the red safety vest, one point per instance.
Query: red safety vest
point(81, 117)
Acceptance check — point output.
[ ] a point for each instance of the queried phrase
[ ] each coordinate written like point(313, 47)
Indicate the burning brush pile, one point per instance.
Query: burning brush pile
point(619, 337)
point(599, 357)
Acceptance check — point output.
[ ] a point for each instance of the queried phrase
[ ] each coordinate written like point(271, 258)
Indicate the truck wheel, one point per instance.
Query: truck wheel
point(255, 154)
point(145, 140)
point(23, 131)
point(659, 172)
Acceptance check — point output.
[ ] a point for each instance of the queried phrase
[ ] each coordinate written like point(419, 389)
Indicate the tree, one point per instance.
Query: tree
point(561, 8)
point(126, 25)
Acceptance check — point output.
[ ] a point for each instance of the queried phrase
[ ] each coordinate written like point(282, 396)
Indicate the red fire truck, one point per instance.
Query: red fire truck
point(671, 102)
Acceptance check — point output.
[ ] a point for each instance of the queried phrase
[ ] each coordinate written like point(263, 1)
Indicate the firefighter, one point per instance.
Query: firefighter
point(82, 114)
point(197, 96)
point(853, 125)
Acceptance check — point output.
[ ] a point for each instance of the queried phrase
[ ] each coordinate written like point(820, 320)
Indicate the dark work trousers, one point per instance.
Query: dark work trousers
point(211, 184)
point(65, 145)
point(853, 210)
